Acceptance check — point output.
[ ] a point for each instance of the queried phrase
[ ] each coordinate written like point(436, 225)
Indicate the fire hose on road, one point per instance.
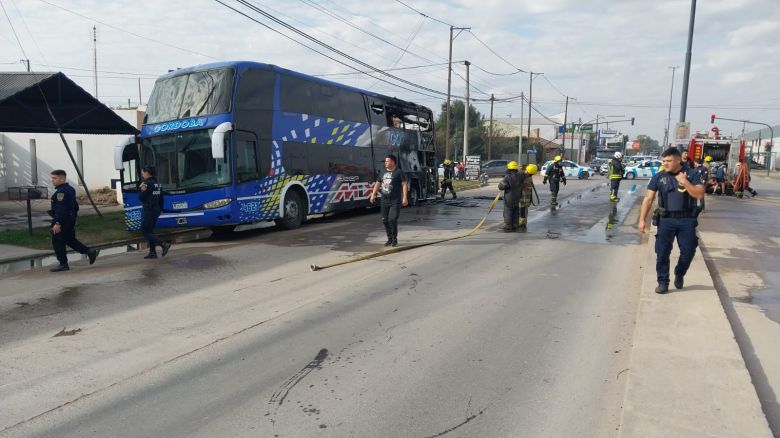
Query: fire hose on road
point(406, 248)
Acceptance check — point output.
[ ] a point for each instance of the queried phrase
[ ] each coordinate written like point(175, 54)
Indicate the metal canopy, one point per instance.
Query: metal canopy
point(23, 107)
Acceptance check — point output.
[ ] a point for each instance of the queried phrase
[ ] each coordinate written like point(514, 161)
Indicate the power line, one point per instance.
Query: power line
point(358, 72)
point(129, 32)
point(425, 15)
point(24, 22)
point(494, 52)
point(309, 37)
point(497, 74)
point(134, 74)
point(13, 30)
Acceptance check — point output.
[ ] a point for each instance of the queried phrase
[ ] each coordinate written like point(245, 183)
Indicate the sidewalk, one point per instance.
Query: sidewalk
point(13, 214)
point(687, 375)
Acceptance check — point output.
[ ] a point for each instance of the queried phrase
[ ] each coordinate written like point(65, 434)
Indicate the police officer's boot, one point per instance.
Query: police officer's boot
point(662, 288)
point(554, 200)
point(679, 281)
point(60, 268)
point(151, 255)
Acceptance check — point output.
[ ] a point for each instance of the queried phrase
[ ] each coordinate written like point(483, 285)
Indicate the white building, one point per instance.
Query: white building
point(28, 158)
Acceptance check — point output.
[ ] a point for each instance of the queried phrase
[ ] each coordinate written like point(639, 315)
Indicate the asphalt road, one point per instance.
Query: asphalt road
point(499, 334)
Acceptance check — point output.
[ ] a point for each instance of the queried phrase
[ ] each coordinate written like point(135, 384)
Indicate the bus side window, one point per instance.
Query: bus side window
point(246, 161)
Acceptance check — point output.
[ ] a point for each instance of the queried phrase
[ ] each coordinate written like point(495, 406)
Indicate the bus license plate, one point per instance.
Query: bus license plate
point(179, 205)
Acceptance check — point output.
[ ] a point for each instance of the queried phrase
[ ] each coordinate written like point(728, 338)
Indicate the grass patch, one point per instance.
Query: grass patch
point(461, 185)
point(90, 230)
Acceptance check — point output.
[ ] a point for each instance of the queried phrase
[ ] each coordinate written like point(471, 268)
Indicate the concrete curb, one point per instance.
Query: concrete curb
point(687, 375)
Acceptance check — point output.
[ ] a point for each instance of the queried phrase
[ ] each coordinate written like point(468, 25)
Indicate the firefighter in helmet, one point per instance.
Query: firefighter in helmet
point(526, 200)
point(512, 185)
point(449, 175)
point(556, 175)
point(616, 171)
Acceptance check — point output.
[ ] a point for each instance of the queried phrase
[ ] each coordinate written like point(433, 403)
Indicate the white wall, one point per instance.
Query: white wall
point(98, 157)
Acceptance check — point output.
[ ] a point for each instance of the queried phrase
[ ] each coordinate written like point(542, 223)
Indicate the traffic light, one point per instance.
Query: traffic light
point(632, 121)
point(712, 118)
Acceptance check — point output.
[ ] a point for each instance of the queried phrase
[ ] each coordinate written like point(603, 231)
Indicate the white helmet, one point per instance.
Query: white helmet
point(619, 155)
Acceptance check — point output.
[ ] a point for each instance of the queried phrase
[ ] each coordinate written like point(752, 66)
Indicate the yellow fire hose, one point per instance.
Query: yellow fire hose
point(406, 248)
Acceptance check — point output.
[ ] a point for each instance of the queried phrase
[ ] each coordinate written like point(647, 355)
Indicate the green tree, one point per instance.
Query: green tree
point(647, 144)
point(478, 132)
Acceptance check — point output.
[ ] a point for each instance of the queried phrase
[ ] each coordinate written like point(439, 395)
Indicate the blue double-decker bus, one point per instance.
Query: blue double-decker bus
point(241, 142)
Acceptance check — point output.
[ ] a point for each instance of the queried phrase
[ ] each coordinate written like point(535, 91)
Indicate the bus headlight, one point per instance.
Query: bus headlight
point(217, 203)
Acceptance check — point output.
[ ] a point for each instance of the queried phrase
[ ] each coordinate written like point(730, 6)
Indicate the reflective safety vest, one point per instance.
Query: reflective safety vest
point(616, 169)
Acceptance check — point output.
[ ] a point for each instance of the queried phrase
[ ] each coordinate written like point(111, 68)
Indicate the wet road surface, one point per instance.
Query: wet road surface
point(500, 334)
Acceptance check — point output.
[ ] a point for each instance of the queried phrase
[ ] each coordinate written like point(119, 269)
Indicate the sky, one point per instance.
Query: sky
point(611, 57)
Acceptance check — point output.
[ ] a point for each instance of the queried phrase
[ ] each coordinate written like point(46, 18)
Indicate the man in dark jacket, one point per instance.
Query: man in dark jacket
point(64, 210)
point(512, 185)
point(150, 195)
point(555, 174)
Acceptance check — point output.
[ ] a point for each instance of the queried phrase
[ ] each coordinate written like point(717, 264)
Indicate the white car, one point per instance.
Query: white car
point(645, 169)
point(570, 169)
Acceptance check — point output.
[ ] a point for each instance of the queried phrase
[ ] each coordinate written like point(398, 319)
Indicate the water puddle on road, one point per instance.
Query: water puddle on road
point(38, 262)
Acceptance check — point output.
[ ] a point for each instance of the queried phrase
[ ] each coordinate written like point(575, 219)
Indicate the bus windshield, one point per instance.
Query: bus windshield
point(184, 161)
point(195, 94)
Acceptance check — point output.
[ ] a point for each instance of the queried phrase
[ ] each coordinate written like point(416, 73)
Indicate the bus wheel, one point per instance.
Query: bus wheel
point(222, 230)
point(293, 211)
point(414, 196)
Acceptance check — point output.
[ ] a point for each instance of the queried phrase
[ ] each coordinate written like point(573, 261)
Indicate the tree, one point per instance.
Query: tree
point(647, 144)
point(478, 133)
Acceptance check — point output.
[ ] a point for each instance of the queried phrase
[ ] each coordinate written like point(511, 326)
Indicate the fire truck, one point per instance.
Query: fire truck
point(723, 150)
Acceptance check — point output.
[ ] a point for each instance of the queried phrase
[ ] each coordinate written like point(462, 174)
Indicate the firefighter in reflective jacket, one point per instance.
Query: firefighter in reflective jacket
point(527, 198)
point(512, 185)
point(678, 187)
point(616, 171)
point(446, 183)
point(555, 175)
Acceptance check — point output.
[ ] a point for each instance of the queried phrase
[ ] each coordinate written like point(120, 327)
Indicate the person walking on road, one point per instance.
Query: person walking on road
point(678, 188)
point(446, 183)
point(704, 176)
point(512, 185)
point(395, 187)
point(527, 197)
point(720, 179)
point(616, 170)
point(556, 175)
point(742, 181)
point(64, 211)
point(150, 195)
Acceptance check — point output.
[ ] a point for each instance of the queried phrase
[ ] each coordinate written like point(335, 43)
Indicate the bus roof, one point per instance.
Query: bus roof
point(260, 65)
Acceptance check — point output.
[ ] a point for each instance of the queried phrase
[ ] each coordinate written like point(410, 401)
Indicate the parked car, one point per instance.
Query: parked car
point(645, 169)
point(495, 167)
point(571, 169)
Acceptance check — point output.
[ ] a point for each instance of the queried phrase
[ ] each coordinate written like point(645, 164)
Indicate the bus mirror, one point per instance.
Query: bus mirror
point(119, 151)
point(218, 140)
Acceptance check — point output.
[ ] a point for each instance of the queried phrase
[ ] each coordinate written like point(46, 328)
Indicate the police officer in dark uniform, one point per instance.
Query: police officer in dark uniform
point(555, 174)
point(678, 187)
point(449, 175)
point(512, 185)
point(64, 211)
point(150, 195)
point(616, 170)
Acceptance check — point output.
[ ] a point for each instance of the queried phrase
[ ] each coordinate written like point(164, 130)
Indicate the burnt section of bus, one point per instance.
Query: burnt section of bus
point(405, 130)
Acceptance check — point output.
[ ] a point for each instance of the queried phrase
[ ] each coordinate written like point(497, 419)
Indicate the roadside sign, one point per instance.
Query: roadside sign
point(473, 165)
point(682, 133)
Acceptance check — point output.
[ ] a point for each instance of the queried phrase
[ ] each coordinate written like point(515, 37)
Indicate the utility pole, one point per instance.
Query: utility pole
point(565, 116)
point(466, 116)
point(669, 116)
point(139, 92)
point(449, 92)
point(27, 63)
point(571, 155)
point(490, 134)
point(520, 141)
point(94, 52)
point(530, 97)
point(687, 73)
